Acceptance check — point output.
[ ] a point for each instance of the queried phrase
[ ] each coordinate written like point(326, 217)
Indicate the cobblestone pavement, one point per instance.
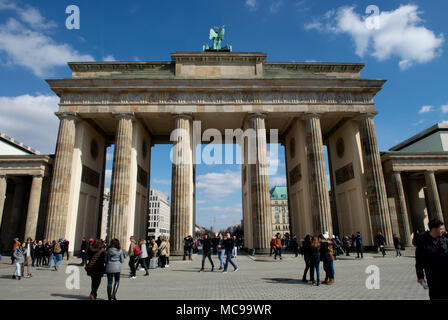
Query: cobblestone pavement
point(258, 278)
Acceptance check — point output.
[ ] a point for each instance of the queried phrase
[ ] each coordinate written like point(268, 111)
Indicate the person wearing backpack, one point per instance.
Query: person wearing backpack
point(134, 252)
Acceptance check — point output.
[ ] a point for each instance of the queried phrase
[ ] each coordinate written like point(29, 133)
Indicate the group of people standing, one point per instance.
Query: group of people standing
point(148, 255)
point(31, 253)
point(317, 249)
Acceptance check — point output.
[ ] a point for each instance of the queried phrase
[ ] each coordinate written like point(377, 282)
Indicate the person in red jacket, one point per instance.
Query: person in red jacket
point(272, 246)
point(278, 247)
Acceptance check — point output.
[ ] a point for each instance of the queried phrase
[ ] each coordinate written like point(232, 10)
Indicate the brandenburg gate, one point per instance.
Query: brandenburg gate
point(134, 105)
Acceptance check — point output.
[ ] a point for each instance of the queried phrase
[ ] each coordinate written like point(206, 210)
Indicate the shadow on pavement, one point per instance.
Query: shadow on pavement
point(70, 296)
point(286, 281)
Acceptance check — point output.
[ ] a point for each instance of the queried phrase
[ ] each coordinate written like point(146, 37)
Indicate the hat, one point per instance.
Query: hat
point(16, 239)
point(326, 235)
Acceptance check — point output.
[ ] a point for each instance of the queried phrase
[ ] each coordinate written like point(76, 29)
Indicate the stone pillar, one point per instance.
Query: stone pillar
point(181, 223)
point(376, 188)
point(33, 207)
point(120, 183)
point(320, 199)
point(402, 212)
point(259, 187)
point(58, 203)
point(2, 196)
point(435, 209)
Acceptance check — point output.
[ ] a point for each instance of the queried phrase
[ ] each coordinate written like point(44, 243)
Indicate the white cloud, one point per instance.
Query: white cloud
point(23, 42)
point(217, 185)
point(400, 33)
point(277, 180)
point(275, 6)
point(162, 181)
point(109, 58)
point(426, 109)
point(251, 4)
point(444, 108)
point(31, 120)
point(225, 215)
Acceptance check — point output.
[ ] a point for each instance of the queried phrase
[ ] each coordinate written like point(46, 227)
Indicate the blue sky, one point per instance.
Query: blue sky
point(408, 50)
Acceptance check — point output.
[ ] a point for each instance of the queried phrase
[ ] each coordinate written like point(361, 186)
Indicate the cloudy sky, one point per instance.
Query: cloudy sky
point(400, 41)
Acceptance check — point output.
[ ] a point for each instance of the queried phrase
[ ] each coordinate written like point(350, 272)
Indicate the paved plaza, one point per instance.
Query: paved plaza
point(258, 278)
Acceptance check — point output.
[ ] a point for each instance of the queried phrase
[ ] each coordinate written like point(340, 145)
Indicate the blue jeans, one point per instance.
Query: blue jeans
point(57, 258)
point(314, 265)
point(111, 277)
point(229, 259)
point(221, 253)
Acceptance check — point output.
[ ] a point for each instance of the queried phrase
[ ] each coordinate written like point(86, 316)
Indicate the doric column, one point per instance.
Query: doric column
point(33, 207)
point(259, 186)
point(56, 222)
point(402, 212)
point(2, 195)
point(376, 188)
point(120, 183)
point(435, 208)
point(181, 223)
point(320, 199)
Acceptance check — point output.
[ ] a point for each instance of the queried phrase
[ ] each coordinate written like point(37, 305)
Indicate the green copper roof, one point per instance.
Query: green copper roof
point(279, 193)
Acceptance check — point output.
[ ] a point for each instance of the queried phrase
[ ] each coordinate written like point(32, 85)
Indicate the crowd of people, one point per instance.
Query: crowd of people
point(31, 253)
point(101, 259)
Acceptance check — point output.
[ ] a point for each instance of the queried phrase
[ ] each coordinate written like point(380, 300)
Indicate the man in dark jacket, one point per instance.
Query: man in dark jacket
point(188, 247)
point(84, 251)
point(207, 252)
point(65, 245)
point(295, 245)
point(228, 246)
point(381, 242)
point(358, 242)
point(431, 259)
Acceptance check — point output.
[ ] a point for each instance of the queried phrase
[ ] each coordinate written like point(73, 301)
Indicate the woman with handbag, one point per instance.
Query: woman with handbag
point(96, 266)
point(114, 259)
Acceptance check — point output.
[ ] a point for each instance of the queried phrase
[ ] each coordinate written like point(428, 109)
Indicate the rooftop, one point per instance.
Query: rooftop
point(17, 144)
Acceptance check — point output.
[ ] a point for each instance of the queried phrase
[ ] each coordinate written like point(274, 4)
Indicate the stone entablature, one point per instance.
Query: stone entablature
point(27, 165)
point(145, 98)
point(414, 161)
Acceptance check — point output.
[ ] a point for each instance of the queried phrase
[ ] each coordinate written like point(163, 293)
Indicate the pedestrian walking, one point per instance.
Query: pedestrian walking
point(307, 252)
point(206, 252)
point(397, 245)
point(228, 246)
point(133, 253)
point(221, 251)
point(18, 257)
point(56, 254)
point(295, 245)
point(278, 246)
point(143, 257)
point(431, 260)
point(83, 251)
point(29, 254)
point(235, 247)
point(188, 247)
point(163, 252)
point(39, 252)
point(167, 257)
point(65, 246)
point(315, 261)
point(272, 246)
point(358, 243)
point(381, 242)
point(96, 267)
point(114, 259)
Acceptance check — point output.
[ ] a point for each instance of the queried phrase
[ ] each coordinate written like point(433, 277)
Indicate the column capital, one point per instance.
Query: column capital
point(257, 114)
point(429, 171)
point(367, 115)
point(124, 115)
point(182, 115)
point(67, 116)
point(311, 115)
point(37, 175)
